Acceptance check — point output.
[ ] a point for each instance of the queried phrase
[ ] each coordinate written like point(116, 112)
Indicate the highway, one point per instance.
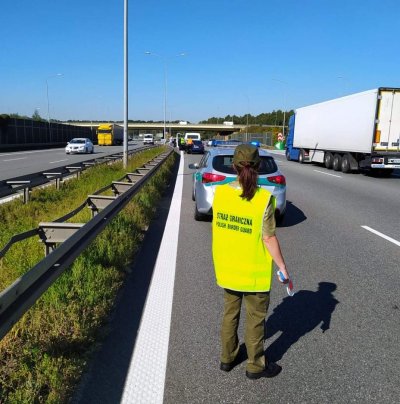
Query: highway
point(337, 339)
point(15, 164)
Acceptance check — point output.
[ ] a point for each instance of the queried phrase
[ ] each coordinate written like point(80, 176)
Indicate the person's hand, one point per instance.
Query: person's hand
point(285, 274)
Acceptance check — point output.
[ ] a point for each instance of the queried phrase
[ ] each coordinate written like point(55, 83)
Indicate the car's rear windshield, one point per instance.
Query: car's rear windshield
point(224, 165)
point(197, 142)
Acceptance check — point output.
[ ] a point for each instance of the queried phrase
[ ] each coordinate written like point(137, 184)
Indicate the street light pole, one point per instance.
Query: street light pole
point(125, 147)
point(284, 105)
point(48, 101)
point(164, 61)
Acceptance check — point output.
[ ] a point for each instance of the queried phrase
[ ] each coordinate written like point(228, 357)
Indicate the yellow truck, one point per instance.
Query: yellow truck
point(109, 134)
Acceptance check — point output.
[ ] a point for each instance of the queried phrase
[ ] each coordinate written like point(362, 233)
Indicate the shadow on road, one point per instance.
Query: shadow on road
point(298, 315)
point(293, 216)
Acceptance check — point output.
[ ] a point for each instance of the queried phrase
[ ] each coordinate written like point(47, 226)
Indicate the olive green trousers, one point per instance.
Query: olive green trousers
point(256, 304)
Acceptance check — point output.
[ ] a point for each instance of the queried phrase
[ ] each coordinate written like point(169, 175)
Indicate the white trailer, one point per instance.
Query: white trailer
point(359, 131)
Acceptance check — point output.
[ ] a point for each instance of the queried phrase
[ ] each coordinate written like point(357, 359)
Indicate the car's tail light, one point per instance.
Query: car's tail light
point(277, 179)
point(208, 177)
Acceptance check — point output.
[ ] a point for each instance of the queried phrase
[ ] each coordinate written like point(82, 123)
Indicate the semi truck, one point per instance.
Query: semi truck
point(109, 134)
point(357, 132)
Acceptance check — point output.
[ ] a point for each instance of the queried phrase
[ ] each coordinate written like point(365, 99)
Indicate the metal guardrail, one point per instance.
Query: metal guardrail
point(25, 183)
point(71, 239)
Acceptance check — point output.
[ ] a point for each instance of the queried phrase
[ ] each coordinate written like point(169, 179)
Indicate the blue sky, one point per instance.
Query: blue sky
point(241, 56)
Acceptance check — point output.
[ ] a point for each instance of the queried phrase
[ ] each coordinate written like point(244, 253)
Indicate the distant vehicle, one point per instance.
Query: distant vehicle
point(359, 131)
point(192, 135)
point(79, 145)
point(182, 122)
point(109, 134)
point(196, 147)
point(219, 143)
point(228, 123)
point(148, 138)
point(215, 168)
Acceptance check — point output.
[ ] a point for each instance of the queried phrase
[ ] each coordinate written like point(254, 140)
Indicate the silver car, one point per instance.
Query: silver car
point(215, 168)
point(79, 145)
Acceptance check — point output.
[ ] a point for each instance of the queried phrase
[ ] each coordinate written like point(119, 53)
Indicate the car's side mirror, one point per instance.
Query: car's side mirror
point(194, 166)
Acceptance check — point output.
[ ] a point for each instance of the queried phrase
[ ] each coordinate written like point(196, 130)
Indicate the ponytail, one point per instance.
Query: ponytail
point(248, 175)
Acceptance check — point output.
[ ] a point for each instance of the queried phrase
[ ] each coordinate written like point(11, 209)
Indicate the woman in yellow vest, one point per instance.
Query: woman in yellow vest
point(244, 247)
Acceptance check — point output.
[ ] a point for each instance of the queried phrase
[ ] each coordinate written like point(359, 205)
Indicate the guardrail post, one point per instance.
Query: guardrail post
point(21, 184)
point(26, 194)
point(97, 202)
point(75, 169)
point(53, 233)
point(56, 176)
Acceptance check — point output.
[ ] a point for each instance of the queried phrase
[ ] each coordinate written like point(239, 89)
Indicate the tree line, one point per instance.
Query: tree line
point(274, 118)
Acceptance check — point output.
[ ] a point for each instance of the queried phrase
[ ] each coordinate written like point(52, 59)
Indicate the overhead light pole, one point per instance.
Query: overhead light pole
point(125, 147)
point(48, 101)
point(164, 61)
point(284, 104)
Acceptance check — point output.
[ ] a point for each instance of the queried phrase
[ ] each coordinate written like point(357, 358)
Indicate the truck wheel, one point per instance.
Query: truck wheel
point(337, 162)
point(346, 168)
point(328, 160)
point(301, 156)
point(287, 155)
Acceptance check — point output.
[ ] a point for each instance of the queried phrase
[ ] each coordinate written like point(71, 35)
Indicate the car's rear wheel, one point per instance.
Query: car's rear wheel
point(279, 218)
point(197, 215)
point(287, 155)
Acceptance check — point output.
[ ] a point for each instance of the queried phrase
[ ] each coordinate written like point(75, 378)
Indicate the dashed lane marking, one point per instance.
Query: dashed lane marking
point(332, 175)
point(392, 240)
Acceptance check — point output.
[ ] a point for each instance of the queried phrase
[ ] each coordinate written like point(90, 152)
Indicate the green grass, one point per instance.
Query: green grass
point(43, 356)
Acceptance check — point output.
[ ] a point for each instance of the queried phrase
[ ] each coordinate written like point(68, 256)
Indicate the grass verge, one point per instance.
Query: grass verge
point(43, 356)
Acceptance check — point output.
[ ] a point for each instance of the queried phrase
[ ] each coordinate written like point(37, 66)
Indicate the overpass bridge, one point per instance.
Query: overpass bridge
point(174, 128)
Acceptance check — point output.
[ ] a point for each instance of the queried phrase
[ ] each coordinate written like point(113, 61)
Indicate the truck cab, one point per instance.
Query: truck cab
point(292, 153)
point(148, 138)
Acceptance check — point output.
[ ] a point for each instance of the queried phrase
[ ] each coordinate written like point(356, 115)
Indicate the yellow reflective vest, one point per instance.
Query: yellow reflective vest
point(241, 261)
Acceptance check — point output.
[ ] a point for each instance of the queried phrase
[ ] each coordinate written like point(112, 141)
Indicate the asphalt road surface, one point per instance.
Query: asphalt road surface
point(337, 339)
point(15, 164)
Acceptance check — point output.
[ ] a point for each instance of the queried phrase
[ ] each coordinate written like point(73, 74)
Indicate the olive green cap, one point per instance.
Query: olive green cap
point(246, 153)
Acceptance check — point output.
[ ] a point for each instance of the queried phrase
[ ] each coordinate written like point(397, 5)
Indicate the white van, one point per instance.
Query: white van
point(148, 138)
point(193, 136)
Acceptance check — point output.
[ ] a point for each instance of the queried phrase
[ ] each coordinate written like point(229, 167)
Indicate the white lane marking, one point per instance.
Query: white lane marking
point(58, 161)
point(145, 380)
point(24, 152)
point(332, 175)
point(20, 158)
point(392, 240)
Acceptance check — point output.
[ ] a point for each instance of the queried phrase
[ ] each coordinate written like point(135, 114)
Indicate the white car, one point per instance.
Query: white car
point(79, 145)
